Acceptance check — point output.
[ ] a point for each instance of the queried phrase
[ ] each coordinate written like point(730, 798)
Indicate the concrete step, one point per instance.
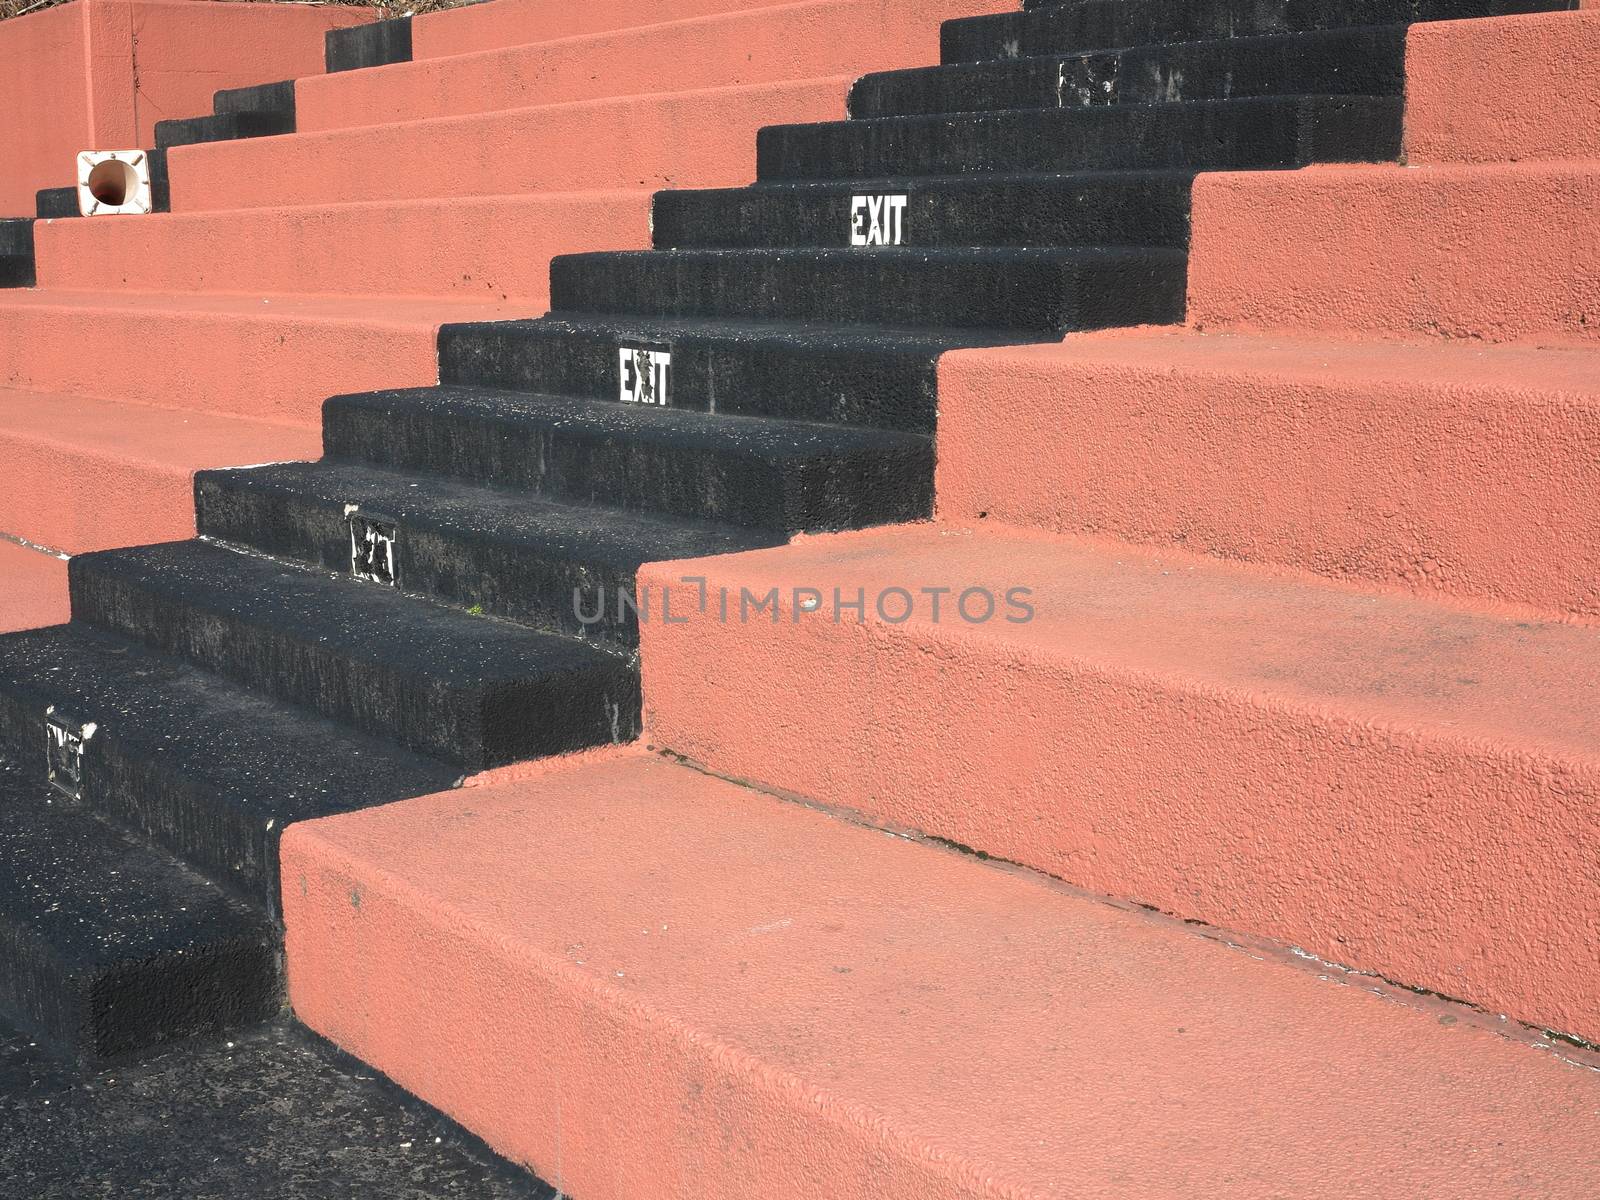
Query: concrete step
point(1369, 61)
point(1108, 208)
point(990, 288)
point(486, 249)
point(35, 587)
point(195, 766)
point(1114, 24)
point(1399, 786)
point(882, 376)
point(16, 252)
point(696, 138)
point(719, 993)
point(508, 22)
point(271, 1104)
point(265, 358)
point(1498, 91)
point(1295, 452)
point(261, 98)
point(1250, 134)
point(754, 46)
point(365, 46)
point(472, 690)
point(112, 949)
point(784, 476)
point(222, 127)
point(57, 202)
point(1441, 251)
point(552, 566)
point(87, 474)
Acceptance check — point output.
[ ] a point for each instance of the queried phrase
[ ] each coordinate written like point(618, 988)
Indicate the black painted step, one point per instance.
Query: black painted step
point(878, 376)
point(1045, 290)
point(193, 764)
point(372, 45)
point(778, 475)
point(52, 204)
point(261, 98)
point(1103, 208)
point(1201, 135)
point(1113, 24)
point(1367, 61)
point(108, 948)
point(553, 566)
point(472, 690)
point(16, 252)
point(222, 127)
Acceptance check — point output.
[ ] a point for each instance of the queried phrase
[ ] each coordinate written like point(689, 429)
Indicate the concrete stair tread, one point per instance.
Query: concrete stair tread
point(87, 473)
point(871, 1015)
point(748, 45)
point(1115, 24)
point(817, 333)
point(520, 523)
point(509, 151)
point(1380, 658)
point(477, 249)
point(1250, 133)
point(35, 588)
point(1367, 60)
point(209, 770)
point(113, 947)
point(235, 1118)
point(391, 312)
point(1025, 287)
point(743, 436)
point(473, 690)
point(758, 472)
point(171, 440)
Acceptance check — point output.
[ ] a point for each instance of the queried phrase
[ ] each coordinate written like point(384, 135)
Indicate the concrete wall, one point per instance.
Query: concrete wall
point(99, 74)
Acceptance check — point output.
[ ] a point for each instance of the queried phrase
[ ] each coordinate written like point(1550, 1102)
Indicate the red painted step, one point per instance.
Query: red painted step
point(85, 474)
point(764, 45)
point(266, 358)
point(1441, 251)
point(514, 22)
point(1448, 469)
point(1505, 89)
point(648, 984)
point(33, 588)
point(698, 138)
point(1400, 786)
point(484, 248)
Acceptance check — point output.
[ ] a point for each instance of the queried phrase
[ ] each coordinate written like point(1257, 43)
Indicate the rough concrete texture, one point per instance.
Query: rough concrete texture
point(273, 358)
point(700, 138)
point(33, 588)
point(691, 989)
point(486, 249)
point(85, 474)
point(793, 41)
point(1503, 90)
point(101, 73)
point(515, 22)
point(1441, 251)
point(1300, 452)
point(275, 1114)
point(1391, 784)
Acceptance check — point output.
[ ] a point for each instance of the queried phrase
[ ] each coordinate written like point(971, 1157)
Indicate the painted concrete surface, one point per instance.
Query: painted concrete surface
point(1436, 251)
point(694, 990)
point(1395, 785)
point(85, 474)
point(1504, 90)
point(685, 139)
point(793, 41)
point(98, 74)
point(1459, 471)
point(481, 249)
point(267, 358)
point(515, 22)
point(33, 588)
